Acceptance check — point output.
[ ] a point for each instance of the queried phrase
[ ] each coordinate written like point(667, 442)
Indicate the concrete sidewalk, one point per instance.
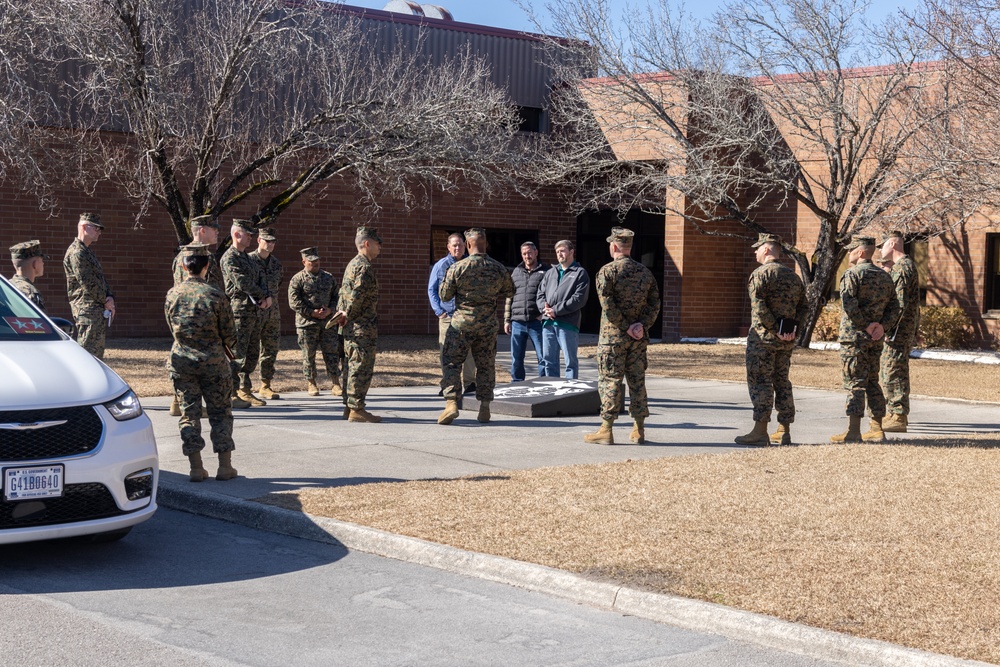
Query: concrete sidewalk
point(301, 441)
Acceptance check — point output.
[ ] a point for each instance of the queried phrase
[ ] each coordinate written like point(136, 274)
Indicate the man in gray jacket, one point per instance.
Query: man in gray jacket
point(561, 298)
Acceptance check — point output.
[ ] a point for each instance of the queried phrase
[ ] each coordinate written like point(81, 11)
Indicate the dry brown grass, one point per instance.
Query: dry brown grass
point(890, 542)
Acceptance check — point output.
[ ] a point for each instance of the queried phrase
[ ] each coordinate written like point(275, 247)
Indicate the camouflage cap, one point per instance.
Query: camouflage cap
point(475, 231)
point(311, 254)
point(894, 234)
point(621, 235)
point(27, 250)
point(91, 218)
point(244, 225)
point(857, 240)
point(268, 234)
point(204, 221)
point(366, 232)
point(766, 238)
point(196, 250)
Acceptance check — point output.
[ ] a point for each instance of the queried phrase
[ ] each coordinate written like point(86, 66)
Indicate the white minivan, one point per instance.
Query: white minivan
point(77, 454)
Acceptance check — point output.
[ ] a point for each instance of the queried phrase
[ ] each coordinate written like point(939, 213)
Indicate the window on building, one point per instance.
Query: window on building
point(531, 119)
point(505, 244)
point(991, 302)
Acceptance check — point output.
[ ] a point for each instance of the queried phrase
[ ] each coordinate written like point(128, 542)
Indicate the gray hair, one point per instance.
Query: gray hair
point(569, 245)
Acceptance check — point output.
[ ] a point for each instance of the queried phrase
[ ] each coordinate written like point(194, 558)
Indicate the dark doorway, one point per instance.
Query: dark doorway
point(592, 231)
point(992, 300)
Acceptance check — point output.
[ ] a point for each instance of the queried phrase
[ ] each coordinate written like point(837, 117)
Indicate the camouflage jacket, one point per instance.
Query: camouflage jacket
point(246, 286)
point(476, 283)
point(272, 270)
point(214, 273)
point(867, 295)
point(628, 293)
point(359, 298)
point(28, 289)
point(776, 293)
point(907, 283)
point(308, 292)
point(85, 284)
point(201, 322)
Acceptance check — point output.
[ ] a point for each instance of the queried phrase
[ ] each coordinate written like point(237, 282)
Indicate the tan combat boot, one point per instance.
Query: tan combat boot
point(250, 398)
point(602, 436)
point(638, 434)
point(782, 436)
point(757, 436)
point(239, 402)
point(891, 423)
point(226, 469)
point(175, 407)
point(336, 389)
point(198, 472)
point(313, 389)
point(362, 415)
point(484, 412)
point(853, 433)
point(874, 432)
point(266, 391)
point(450, 412)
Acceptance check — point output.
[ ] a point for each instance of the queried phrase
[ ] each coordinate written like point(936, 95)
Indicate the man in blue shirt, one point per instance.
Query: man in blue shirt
point(445, 309)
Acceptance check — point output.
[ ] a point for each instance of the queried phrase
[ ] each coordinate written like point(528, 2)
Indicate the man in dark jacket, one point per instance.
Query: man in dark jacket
point(561, 298)
point(522, 317)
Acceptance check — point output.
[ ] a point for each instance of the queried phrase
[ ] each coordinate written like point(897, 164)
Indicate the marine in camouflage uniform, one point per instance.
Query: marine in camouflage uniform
point(629, 299)
point(247, 290)
point(357, 304)
point(475, 283)
point(895, 367)
point(87, 288)
point(270, 326)
point(201, 322)
point(29, 264)
point(868, 298)
point(776, 294)
point(313, 291)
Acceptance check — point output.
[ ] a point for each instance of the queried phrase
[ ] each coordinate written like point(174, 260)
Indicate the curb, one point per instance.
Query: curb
point(685, 613)
point(981, 357)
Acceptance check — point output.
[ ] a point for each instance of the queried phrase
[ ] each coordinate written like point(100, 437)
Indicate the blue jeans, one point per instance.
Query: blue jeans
point(555, 339)
point(519, 334)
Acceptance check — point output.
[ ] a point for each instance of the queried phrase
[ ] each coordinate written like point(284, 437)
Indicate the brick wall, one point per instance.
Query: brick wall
point(137, 257)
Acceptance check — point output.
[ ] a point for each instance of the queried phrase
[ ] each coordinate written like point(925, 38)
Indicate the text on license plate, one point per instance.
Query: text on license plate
point(37, 482)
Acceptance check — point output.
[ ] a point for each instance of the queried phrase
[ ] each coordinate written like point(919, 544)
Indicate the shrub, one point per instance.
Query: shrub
point(942, 326)
point(828, 322)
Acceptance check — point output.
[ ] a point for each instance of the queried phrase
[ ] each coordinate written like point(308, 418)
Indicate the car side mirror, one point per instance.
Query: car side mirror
point(65, 325)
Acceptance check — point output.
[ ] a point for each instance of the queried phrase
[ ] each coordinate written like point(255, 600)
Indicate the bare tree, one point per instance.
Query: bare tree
point(797, 104)
point(199, 106)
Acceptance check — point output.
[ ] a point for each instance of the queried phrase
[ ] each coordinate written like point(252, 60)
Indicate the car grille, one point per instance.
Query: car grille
point(79, 502)
point(80, 434)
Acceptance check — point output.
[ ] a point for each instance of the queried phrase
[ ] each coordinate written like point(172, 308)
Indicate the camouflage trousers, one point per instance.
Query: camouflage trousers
point(618, 361)
point(270, 340)
point(359, 355)
point(91, 330)
point(767, 379)
point(860, 363)
point(246, 350)
point(326, 341)
point(895, 378)
point(214, 383)
point(481, 343)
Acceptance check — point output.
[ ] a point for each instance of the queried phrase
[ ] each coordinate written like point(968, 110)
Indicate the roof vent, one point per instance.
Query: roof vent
point(415, 9)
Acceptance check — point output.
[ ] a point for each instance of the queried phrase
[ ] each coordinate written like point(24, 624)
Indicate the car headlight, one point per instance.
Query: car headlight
point(125, 407)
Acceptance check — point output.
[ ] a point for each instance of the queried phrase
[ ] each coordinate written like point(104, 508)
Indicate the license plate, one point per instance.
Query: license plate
point(29, 483)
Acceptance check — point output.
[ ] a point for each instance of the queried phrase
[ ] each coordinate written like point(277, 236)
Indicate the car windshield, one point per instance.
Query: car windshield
point(20, 320)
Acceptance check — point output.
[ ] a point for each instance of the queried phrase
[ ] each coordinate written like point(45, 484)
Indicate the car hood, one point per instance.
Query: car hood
point(58, 373)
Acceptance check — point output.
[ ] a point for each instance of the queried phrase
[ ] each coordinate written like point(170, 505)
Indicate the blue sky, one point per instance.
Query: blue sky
point(506, 13)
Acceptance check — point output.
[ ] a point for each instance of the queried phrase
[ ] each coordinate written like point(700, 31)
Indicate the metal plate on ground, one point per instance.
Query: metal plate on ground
point(543, 397)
